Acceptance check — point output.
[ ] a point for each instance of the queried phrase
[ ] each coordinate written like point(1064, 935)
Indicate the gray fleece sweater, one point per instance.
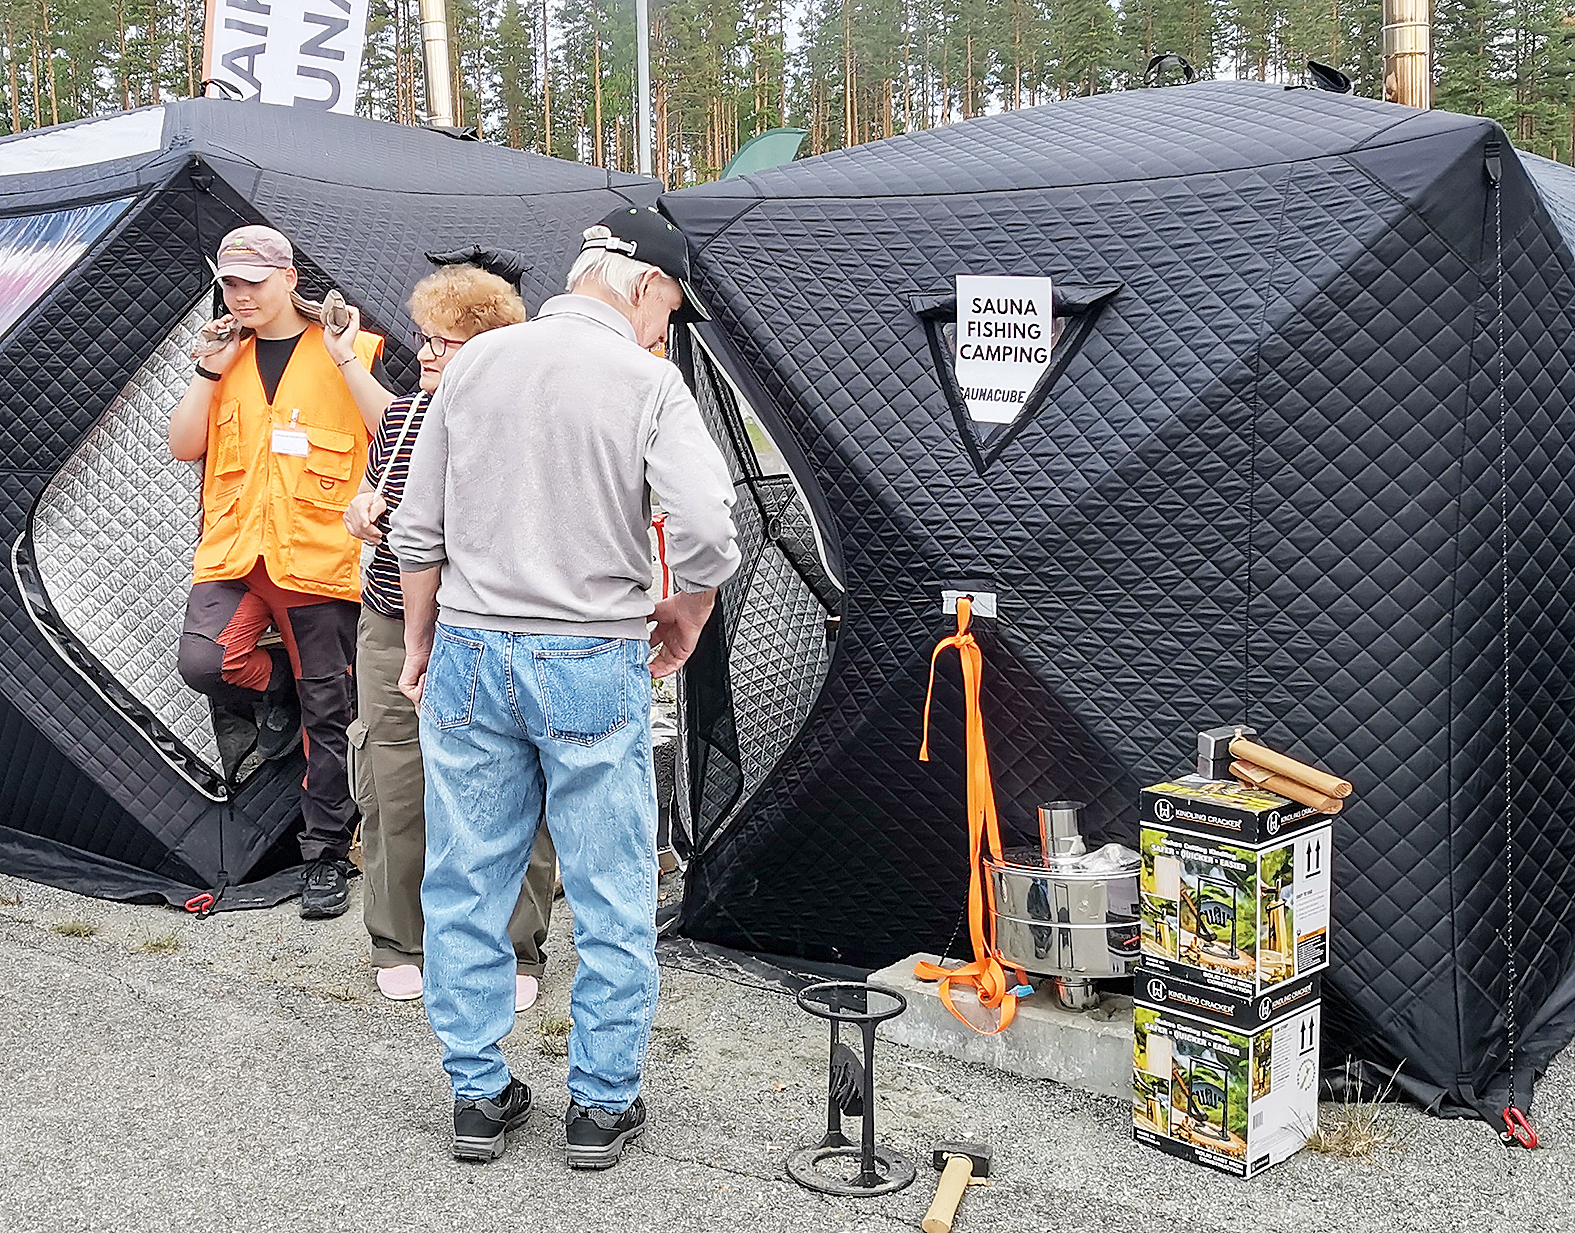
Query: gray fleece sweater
point(531, 479)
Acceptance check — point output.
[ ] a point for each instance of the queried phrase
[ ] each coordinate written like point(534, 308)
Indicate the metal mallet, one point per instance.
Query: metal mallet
point(961, 1165)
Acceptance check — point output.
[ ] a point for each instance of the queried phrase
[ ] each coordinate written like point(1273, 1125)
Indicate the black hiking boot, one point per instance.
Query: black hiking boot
point(480, 1125)
point(235, 731)
point(325, 889)
point(279, 715)
point(596, 1136)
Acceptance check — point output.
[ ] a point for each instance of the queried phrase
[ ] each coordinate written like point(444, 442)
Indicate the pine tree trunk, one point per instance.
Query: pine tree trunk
point(907, 77)
point(848, 117)
point(481, 70)
point(596, 68)
point(946, 93)
point(191, 66)
point(49, 52)
point(782, 43)
point(546, 82)
point(16, 89)
point(1017, 54)
point(38, 109)
point(967, 100)
point(120, 61)
point(662, 154)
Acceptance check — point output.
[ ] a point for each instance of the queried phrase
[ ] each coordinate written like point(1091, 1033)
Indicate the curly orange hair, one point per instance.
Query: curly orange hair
point(465, 300)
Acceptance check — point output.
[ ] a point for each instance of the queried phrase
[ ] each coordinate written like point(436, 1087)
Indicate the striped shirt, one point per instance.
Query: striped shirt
point(380, 589)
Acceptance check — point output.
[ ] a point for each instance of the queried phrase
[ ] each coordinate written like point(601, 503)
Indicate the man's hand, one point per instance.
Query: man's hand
point(413, 676)
point(341, 347)
point(361, 516)
point(421, 610)
point(679, 621)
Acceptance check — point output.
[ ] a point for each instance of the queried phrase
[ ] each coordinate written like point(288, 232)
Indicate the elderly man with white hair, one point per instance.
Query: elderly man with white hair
point(524, 556)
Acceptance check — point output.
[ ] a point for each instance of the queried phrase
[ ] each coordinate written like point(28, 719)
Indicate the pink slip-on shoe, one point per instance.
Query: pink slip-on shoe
point(526, 990)
point(401, 983)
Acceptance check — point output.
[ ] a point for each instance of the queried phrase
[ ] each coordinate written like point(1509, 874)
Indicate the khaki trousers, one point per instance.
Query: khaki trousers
point(391, 789)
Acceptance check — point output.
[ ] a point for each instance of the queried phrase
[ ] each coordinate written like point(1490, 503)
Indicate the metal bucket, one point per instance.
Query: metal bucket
point(1058, 919)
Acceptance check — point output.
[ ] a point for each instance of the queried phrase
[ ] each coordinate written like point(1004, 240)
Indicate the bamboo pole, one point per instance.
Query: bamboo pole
point(1408, 68)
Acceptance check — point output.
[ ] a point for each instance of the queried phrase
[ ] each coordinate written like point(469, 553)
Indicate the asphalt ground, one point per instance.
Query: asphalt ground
point(161, 1072)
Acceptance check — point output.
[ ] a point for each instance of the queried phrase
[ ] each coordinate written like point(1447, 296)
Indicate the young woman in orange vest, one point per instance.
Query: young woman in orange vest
point(284, 447)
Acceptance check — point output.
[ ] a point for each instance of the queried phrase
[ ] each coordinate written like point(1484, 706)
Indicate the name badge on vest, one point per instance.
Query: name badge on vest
point(291, 441)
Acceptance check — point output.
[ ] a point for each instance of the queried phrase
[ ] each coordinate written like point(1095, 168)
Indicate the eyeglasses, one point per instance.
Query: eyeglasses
point(437, 342)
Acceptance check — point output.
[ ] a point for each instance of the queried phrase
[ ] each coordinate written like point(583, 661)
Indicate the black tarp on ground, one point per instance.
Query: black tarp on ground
point(1269, 487)
point(107, 777)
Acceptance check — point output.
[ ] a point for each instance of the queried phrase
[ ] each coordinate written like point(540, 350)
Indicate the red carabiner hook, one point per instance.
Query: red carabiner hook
point(1517, 1129)
point(201, 904)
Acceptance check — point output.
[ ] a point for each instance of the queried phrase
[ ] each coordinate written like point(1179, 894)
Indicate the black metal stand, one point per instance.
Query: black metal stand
point(851, 1089)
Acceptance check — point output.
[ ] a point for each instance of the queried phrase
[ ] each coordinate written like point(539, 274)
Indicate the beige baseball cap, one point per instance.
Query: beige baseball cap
point(253, 253)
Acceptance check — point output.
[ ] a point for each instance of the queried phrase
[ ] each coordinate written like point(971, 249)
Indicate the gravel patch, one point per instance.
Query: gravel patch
point(242, 1073)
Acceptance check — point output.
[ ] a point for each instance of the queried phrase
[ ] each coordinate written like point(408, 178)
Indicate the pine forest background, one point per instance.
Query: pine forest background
point(558, 75)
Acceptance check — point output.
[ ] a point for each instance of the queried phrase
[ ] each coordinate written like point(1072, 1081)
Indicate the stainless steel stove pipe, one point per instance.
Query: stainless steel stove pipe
point(435, 64)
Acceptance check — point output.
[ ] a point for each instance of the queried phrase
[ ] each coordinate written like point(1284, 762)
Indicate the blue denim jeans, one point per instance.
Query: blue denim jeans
point(507, 719)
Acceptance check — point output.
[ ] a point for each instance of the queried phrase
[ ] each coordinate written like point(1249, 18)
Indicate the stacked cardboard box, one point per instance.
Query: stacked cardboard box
point(1234, 897)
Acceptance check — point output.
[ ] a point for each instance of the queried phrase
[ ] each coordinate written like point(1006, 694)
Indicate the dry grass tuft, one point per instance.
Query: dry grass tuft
point(1353, 1128)
point(554, 1035)
point(10, 901)
point(162, 944)
point(74, 928)
point(1353, 1132)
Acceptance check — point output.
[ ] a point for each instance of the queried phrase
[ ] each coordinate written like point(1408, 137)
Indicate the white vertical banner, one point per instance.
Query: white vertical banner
point(300, 53)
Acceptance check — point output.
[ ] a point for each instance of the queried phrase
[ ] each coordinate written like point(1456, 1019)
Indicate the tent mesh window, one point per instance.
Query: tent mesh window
point(114, 556)
point(36, 250)
point(764, 659)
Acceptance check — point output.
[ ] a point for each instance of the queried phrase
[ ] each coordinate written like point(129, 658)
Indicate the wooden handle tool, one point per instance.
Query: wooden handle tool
point(1258, 777)
point(1321, 782)
point(961, 1164)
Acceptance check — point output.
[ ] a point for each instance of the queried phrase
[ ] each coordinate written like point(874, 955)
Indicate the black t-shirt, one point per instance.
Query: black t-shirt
point(273, 356)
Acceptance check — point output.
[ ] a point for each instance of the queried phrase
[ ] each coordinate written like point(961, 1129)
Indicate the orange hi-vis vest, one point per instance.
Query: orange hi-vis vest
point(281, 495)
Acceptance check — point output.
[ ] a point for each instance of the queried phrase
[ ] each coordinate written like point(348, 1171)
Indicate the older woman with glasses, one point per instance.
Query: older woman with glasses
point(450, 307)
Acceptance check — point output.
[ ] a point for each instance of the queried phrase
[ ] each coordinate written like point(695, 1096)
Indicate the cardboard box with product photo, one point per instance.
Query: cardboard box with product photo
point(1240, 916)
point(1234, 1100)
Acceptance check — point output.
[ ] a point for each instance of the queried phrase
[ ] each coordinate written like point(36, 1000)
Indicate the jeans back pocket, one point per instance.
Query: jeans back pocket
point(449, 696)
point(584, 689)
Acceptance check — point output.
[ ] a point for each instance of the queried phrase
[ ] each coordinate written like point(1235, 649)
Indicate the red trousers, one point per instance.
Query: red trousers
point(219, 656)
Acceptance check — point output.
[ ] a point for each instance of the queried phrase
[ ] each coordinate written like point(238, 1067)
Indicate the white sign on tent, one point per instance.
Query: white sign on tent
point(1005, 332)
point(302, 53)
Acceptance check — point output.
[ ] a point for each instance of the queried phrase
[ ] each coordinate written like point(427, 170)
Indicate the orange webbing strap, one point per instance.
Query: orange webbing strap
point(659, 525)
point(986, 974)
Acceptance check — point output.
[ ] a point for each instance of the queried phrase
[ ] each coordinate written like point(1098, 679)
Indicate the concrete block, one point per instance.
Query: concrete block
point(1091, 1050)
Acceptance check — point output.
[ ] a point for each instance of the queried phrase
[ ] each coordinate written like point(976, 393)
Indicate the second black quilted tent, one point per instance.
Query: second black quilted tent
point(1302, 461)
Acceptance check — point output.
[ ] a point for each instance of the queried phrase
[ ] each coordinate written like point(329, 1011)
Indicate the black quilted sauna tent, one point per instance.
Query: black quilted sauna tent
point(1305, 462)
point(109, 777)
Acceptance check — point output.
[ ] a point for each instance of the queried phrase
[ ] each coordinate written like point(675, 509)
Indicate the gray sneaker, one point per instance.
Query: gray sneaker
point(596, 1136)
point(480, 1125)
